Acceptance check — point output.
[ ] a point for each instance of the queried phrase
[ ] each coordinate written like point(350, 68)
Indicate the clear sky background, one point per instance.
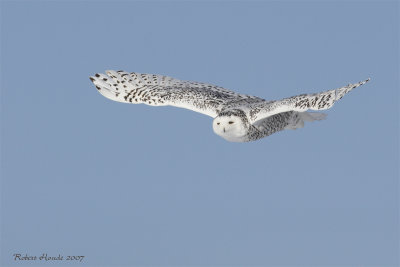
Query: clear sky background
point(137, 185)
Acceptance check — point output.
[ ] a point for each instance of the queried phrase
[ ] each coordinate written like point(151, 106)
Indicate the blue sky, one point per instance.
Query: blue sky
point(136, 185)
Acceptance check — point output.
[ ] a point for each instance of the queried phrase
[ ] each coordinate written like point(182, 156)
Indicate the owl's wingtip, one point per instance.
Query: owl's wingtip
point(365, 81)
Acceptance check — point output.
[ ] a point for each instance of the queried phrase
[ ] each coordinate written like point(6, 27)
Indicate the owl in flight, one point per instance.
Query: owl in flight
point(237, 117)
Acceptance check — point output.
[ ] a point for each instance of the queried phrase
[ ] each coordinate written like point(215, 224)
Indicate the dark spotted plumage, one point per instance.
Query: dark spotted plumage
point(258, 117)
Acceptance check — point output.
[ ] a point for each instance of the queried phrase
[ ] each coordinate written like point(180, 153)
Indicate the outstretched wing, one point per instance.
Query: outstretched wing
point(158, 90)
point(318, 101)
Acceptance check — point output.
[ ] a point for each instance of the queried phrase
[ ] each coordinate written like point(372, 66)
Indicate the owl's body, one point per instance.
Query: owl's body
point(237, 117)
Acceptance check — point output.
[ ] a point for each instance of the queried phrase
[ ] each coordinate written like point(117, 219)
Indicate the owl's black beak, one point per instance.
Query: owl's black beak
point(224, 129)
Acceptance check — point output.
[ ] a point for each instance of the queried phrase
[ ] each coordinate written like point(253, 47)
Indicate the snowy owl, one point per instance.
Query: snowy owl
point(237, 117)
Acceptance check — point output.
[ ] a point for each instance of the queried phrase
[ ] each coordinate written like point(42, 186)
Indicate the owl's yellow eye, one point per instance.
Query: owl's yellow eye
point(230, 122)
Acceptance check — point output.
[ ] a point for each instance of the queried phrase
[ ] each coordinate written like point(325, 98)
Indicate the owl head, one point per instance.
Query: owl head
point(231, 125)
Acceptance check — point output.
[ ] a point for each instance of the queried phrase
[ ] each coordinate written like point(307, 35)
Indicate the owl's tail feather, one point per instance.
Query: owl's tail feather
point(298, 119)
point(312, 116)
